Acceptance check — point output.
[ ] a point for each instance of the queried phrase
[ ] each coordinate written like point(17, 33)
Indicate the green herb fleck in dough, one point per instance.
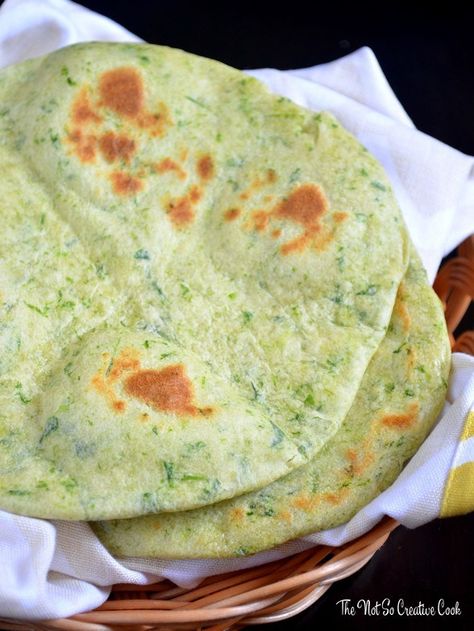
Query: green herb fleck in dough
point(197, 446)
point(197, 102)
point(185, 290)
point(44, 311)
point(309, 401)
point(149, 502)
point(70, 484)
point(295, 176)
point(51, 426)
point(371, 290)
point(65, 73)
point(157, 288)
point(170, 475)
point(21, 395)
point(54, 137)
point(142, 254)
point(191, 477)
point(278, 435)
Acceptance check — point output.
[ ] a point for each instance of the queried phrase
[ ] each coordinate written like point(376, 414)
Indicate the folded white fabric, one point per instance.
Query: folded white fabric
point(56, 569)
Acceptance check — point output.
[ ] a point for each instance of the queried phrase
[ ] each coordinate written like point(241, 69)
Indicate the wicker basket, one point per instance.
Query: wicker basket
point(277, 590)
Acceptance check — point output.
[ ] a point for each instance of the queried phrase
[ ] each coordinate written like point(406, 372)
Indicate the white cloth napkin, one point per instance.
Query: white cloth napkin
point(55, 569)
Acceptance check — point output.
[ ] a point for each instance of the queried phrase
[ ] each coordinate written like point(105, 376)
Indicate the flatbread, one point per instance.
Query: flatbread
point(195, 274)
point(400, 396)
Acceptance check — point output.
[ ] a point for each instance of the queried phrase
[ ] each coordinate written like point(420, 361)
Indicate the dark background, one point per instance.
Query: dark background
point(427, 55)
point(428, 58)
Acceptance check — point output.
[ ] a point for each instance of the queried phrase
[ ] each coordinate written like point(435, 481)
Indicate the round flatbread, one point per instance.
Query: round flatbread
point(400, 396)
point(194, 274)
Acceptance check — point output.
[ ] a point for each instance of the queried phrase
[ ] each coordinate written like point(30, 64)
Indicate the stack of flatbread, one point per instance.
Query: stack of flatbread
point(215, 334)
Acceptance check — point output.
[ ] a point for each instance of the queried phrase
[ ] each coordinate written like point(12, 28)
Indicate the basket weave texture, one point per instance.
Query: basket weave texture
point(274, 591)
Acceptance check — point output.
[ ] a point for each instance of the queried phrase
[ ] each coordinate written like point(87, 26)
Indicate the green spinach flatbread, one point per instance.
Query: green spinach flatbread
point(400, 396)
point(194, 276)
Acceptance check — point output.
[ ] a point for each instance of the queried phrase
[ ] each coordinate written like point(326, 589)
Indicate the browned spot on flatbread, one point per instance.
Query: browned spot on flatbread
point(257, 183)
point(237, 514)
point(404, 420)
point(155, 122)
point(261, 220)
point(102, 385)
point(298, 244)
point(271, 176)
point(112, 370)
point(336, 497)
point(276, 233)
point(128, 359)
point(169, 165)
point(195, 194)
point(254, 186)
point(411, 359)
point(306, 502)
point(401, 309)
point(166, 390)
point(322, 238)
point(286, 516)
point(359, 461)
point(99, 383)
point(125, 184)
point(339, 217)
point(268, 178)
point(232, 214)
point(181, 211)
point(115, 147)
point(304, 206)
point(82, 112)
point(84, 145)
point(309, 503)
point(121, 90)
point(84, 122)
point(205, 167)
point(351, 455)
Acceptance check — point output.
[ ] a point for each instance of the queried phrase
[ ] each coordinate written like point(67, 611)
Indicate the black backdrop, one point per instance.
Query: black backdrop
point(427, 55)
